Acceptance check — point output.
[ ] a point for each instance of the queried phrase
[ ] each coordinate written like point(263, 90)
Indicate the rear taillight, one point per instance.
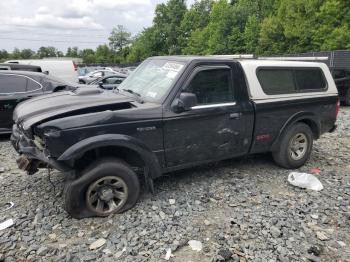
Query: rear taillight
point(337, 108)
point(75, 66)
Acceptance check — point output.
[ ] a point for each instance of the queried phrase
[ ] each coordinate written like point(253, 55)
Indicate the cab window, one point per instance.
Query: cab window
point(212, 86)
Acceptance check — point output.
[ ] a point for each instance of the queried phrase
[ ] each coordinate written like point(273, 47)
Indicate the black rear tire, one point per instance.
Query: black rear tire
point(98, 189)
point(295, 147)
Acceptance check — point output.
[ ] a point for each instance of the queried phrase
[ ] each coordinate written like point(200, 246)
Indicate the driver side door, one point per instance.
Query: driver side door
point(210, 130)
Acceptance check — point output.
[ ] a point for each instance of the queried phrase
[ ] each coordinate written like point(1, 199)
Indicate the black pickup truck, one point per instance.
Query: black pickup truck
point(173, 113)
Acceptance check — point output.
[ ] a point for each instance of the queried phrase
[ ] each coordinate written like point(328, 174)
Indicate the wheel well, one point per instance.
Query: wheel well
point(314, 128)
point(130, 156)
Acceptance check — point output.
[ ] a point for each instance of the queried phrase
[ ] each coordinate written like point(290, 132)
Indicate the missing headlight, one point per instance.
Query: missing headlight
point(39, 143)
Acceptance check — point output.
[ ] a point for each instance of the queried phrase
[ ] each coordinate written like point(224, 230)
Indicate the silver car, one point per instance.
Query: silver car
point(92, 76)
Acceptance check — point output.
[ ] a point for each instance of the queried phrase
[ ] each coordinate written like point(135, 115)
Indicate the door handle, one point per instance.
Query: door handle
point(235, 115)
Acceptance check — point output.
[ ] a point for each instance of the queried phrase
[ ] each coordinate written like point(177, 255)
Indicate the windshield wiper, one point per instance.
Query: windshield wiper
point(137, 95)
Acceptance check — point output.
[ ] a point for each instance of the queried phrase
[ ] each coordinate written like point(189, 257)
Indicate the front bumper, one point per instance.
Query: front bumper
point(31, 158)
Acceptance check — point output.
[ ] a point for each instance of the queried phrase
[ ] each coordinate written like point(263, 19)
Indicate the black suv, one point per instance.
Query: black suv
point(173, 113)
point(20, 67)
point(17, 86)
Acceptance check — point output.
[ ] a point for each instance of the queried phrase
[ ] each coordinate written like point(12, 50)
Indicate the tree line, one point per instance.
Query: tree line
point(262, 27)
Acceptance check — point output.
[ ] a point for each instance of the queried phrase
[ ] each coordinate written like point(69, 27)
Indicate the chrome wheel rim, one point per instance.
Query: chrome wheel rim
point(298, 146)
point(107, 195)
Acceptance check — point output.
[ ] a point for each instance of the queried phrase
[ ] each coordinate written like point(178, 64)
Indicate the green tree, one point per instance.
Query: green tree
point(197, 43)
point(88, 56)
point(119, 38)
point(192, 27)
point(49, 51)
point(220, 28)
point(4, 55)
point(333, 30)
point(72, 52)
point(145, 45)
point(167, 23)
point(103, 54)
point(16, 54)
point(271, 37)
point(27, 53)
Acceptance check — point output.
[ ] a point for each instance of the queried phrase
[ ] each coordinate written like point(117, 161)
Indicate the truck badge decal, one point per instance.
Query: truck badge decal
point(263, 137)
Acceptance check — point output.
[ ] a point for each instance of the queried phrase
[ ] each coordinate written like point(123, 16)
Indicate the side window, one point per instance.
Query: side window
point(32, 86)
point(212, 86)
point(97, 74)
point(112, 80)
point(276, 81)
point(310, 79)
point(12, 84)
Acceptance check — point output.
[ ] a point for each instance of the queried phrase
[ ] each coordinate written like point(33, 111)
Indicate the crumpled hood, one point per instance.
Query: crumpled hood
point(80, 101)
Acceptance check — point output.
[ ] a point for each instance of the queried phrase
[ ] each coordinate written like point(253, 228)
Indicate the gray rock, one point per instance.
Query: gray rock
point(42, 251)
point(97, 244)
point(225, 253)
point(275, 232)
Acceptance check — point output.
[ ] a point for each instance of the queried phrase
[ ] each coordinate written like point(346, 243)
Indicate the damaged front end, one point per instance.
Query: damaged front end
point(33, 154)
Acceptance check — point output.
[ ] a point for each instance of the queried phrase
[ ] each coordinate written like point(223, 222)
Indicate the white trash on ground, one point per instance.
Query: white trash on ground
point(305, 180)
point(195, 245)
point(6, 224)
point(168, 254)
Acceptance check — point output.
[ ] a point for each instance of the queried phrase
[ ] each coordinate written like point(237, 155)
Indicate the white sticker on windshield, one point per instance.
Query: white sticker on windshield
point(173, 66)
point(151, 94)
point(171, 74)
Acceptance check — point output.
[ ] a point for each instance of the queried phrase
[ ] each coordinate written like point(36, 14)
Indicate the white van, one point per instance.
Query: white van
point(63, 69)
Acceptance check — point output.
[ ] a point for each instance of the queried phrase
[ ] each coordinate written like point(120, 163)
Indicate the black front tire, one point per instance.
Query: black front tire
point(79, 205)
point(285, 155)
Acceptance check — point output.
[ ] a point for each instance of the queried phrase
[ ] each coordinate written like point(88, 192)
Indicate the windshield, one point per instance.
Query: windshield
point(152, 79)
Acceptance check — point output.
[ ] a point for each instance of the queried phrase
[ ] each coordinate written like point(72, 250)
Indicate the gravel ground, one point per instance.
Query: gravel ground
point(240, 210)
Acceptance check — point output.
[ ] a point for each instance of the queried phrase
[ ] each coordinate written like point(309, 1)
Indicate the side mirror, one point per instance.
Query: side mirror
point(100, 84)
point(184, 103)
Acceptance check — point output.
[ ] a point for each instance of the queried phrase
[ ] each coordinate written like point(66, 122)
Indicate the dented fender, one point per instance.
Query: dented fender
point(78, 149)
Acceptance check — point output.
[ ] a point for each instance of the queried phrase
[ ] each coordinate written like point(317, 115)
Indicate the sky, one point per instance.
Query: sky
point(65, 23)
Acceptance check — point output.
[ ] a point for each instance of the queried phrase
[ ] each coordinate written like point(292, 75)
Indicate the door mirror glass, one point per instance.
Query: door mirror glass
point(184, 103)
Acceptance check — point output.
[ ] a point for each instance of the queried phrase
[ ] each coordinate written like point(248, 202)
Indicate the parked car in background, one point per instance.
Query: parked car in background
point(94, 75)
point(17, 86)
point(170, 114)
point(63, 69)
point(20, 67)
point(126, 70)
point(109, 82)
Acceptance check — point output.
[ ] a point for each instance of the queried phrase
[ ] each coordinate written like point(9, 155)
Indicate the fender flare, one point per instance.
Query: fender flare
point(80, 148)
point(299, 117)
